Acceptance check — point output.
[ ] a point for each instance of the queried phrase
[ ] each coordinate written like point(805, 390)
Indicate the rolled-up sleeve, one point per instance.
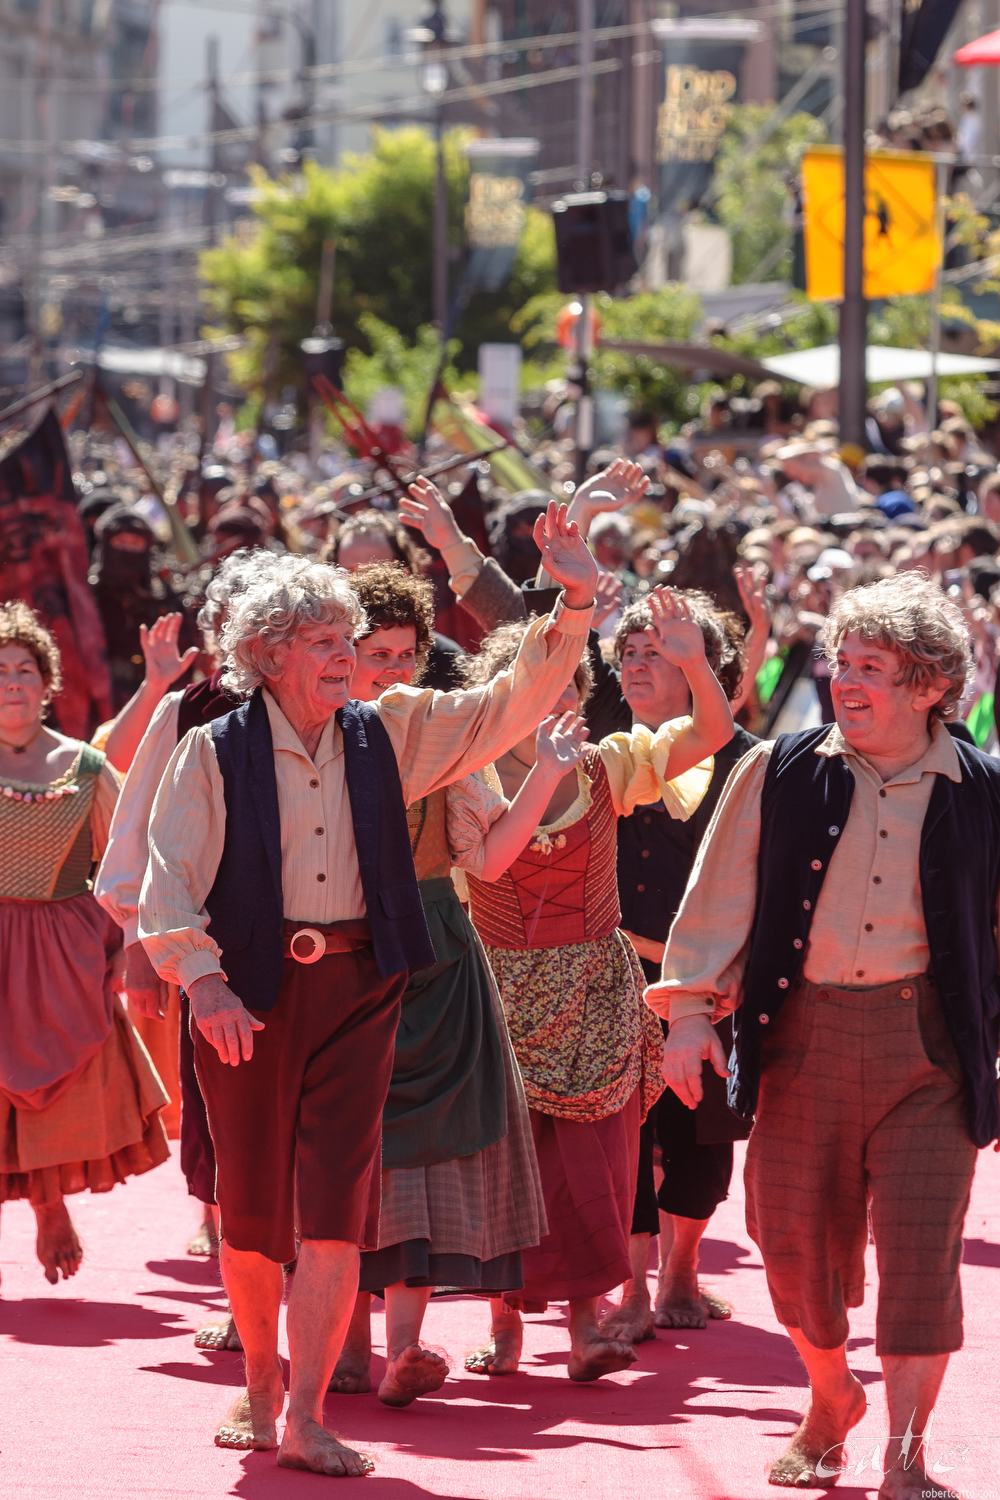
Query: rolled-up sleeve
point(705, 955)
point(471, 809)
point(119, 879)
point(637, 761)
point(439, 737)
point(187, 830)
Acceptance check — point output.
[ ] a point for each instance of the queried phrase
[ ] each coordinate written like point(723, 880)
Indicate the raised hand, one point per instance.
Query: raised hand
point(673, 633)
point(751, 580)
point(223, 1019)
point(565, 556)
point(559, 742)
point(621, 483)
point(164, 663)
point(425, 508)
point(608, 595)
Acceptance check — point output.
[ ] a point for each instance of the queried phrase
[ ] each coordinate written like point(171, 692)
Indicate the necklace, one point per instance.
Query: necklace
point(20, 749)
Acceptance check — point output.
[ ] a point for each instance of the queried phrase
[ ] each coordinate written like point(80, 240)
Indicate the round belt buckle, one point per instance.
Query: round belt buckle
point(313, 954)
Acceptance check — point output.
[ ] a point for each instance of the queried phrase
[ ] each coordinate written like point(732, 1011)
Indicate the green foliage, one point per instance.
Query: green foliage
point(670, 314)
point(392, 360)
point(757, 156)
point(377, 209)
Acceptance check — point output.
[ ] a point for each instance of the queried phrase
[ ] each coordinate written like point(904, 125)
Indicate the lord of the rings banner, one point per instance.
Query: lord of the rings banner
point(499, 194)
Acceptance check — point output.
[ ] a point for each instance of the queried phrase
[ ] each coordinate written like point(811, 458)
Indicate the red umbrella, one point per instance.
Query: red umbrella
point(983, 52)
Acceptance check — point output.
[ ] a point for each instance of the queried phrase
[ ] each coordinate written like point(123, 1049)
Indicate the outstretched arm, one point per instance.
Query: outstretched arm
point(439, 737)
point(678, 639)
point(752, 584)
point(558, 746)
point(621, 483)
point(479, 583)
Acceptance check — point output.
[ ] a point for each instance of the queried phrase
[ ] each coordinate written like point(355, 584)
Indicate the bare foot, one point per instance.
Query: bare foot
point(913, 1484)
point(629, 1323)
point(599, 1357)
point(501, 1356)
point(251, 1421)
point(415, 1372)
point(57, 1246)
point(685, 1304)
point(218, 1336)
point(204, 1242)
point(814, 1457)
point(307, 1445)
point(352, 1375)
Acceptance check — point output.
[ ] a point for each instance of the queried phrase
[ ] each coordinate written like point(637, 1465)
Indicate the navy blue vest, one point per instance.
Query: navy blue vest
point(805, 804)
point(245, 903)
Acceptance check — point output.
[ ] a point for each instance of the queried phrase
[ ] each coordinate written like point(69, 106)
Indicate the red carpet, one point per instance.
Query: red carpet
point(102, 1392)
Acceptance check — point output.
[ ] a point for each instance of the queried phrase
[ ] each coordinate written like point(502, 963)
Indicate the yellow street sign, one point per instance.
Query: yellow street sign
point(902, 233)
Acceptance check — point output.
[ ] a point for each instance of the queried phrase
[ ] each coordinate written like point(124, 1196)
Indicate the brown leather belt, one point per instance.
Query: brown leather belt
point(308, 944)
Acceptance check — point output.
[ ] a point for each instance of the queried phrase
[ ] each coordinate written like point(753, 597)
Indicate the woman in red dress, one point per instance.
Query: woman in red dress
point(588, 1048)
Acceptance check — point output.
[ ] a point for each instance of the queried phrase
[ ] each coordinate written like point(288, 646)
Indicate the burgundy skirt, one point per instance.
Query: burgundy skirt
point(588, 1180)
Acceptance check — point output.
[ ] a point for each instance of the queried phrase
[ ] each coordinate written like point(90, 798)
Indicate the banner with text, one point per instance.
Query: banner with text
point(499, 194)
point(701, 85)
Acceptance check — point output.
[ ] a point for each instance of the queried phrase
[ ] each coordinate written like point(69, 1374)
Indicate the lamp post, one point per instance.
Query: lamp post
point(432, 38)
point(305, 134)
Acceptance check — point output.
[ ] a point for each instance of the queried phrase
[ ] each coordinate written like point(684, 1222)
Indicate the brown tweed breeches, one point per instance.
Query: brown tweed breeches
point(861, 1113)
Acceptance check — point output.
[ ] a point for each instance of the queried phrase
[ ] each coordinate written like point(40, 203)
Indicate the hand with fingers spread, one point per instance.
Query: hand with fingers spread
point(223, 1019)
point(164, 663)
point(621, 483)
point(559, 743)
point(566, 558)
point(425, 508)
point(751, 580)
point(673, 633)
point(692, 1041)
point(608, 596)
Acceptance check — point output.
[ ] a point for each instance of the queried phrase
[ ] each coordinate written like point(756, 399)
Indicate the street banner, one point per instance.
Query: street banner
point(499, 194)
point(926, 23)
point(902, 232)
point(43, 561)
point(701, 86)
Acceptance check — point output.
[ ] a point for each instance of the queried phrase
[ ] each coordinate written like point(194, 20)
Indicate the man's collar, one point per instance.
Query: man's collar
point(940, 758)
point(284, 737)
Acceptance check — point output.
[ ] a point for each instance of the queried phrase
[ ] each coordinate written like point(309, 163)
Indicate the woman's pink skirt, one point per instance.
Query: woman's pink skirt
point(588, 1180)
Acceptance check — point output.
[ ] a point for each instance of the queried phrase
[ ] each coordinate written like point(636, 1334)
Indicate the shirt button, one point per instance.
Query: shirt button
point(876, 880)
point(807, 906)
point(883, 833)
point(883, 792)
point(320, 876)
point(314, 783)
point(763, 1018)
point(833, 831)
point(797, 943)
point(782, 984)
point(646, 819)
point(319, 830)
point(860, 973)
point(815, 864)
point(640, 889)
point(869, 927)
point(645, 853)
point(906, 993)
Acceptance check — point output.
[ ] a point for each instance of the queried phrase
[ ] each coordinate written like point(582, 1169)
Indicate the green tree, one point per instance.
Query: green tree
point(377, 209)
point(757, 164)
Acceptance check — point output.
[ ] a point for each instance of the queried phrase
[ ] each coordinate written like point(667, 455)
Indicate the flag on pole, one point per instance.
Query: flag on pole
point(43, 561)
point(902, 234)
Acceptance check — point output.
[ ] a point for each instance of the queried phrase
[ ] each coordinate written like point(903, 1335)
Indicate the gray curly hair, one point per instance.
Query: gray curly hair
point(293, 592)
point(235, 573)
point(913, 617)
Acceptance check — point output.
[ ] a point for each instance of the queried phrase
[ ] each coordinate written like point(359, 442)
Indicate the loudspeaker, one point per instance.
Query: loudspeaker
point(593, 242)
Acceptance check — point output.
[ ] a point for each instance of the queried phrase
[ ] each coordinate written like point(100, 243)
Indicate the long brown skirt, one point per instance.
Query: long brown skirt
point(588, 1180)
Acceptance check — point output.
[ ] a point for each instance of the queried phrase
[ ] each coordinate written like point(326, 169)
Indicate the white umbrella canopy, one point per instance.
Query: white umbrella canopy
point(820, 368)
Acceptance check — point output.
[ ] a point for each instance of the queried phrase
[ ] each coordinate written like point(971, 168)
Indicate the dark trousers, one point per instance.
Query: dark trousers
point(298, 1129)
point(695, 1177)
point(197, 1151)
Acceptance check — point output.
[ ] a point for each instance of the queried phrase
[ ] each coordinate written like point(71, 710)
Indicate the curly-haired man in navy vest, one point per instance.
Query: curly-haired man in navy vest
point(844, 907)
point(281, 896)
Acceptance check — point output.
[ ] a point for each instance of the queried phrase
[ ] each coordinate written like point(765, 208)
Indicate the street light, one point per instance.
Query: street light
point(431, 36)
